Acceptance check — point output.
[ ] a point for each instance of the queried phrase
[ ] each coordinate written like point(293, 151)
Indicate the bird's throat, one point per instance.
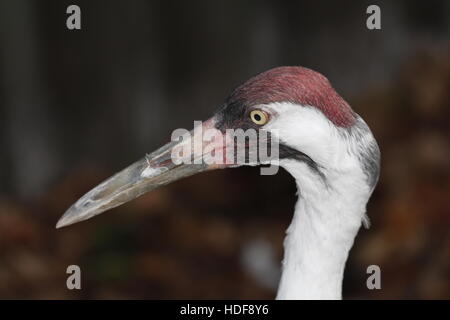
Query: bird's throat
point(321, 234)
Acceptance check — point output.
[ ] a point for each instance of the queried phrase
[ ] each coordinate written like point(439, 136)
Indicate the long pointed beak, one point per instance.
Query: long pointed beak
point(155, 170)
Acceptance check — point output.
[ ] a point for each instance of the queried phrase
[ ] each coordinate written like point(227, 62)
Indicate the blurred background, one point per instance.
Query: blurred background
point(77, 106)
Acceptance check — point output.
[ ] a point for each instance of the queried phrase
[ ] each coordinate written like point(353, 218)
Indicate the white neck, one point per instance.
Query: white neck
point(327, 218)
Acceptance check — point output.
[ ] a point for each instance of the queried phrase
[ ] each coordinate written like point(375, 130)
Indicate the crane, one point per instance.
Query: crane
point(327, 148)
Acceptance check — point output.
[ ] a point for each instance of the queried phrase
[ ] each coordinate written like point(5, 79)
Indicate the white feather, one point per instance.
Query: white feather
point(329, 212)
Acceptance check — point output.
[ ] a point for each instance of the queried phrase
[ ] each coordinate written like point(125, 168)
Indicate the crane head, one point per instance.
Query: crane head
point(295, 109)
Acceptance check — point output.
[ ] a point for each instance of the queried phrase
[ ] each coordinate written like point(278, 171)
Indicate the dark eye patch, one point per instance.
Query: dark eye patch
point(234, 116)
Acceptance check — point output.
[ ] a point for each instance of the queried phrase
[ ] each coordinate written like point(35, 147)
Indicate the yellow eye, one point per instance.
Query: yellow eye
point(259, 117)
